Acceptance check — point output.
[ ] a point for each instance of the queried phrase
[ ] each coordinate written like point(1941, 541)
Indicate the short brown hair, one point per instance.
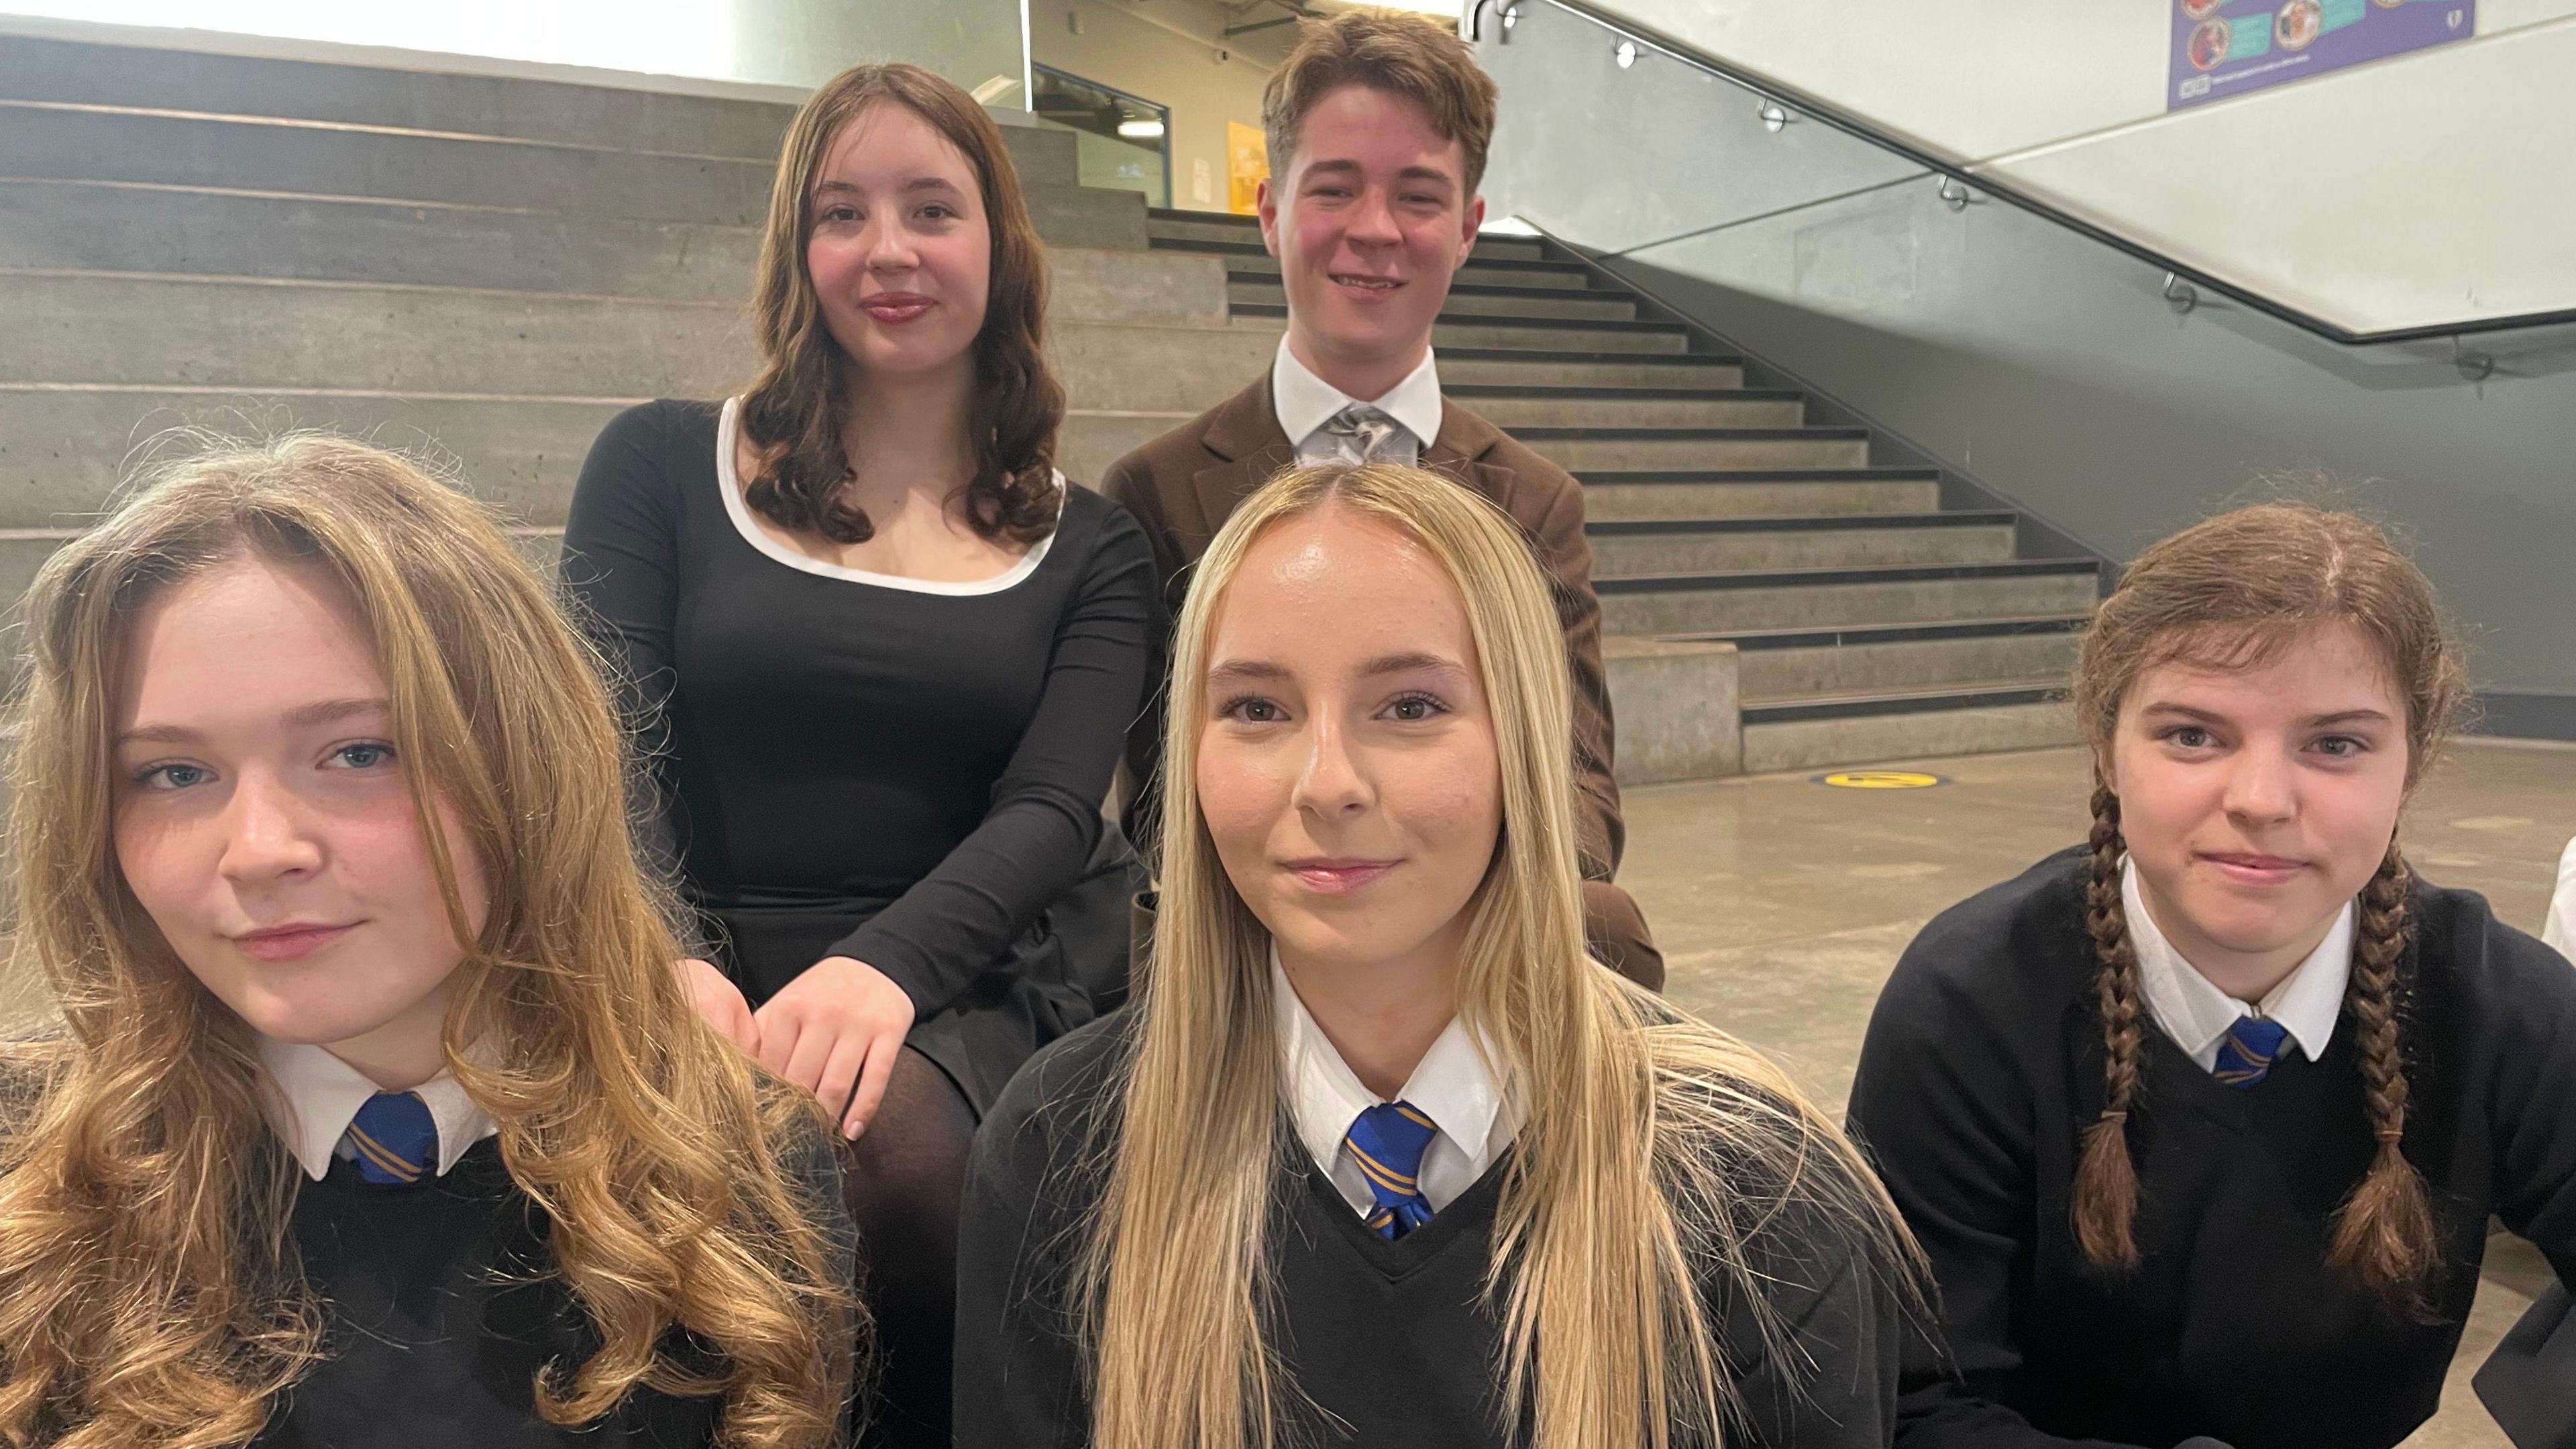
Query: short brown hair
point(1403, 54)
point(795, 411)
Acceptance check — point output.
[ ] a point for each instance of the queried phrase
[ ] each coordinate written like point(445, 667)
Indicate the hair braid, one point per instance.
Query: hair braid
point(2106, 1181)
point(2385, 1239)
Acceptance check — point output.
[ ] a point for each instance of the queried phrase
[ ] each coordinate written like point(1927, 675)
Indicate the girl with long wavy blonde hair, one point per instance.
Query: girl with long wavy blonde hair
point(1563, 1214)
point(2202, 1121)
point(318, 823)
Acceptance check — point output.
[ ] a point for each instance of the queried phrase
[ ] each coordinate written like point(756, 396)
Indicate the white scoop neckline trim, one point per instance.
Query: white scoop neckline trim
point(729, 483)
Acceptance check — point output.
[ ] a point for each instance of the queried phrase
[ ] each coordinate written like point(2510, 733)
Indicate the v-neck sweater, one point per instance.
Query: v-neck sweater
point(1982, 1070)
point(1395, 1342)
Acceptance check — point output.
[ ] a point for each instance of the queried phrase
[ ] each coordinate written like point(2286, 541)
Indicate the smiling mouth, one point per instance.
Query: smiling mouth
point(1339, 876)
point(2253, 867)
point(1380, 285)
point(895, 310)
point(289, 943)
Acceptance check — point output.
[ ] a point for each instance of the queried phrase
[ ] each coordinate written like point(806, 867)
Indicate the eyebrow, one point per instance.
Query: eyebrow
point(1409, 173)
point(918, 183)
point(303, 716)
point(1248, 671)
point(2341, 716)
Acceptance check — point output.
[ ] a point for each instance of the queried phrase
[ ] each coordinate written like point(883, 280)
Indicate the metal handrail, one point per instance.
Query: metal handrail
point(1799, 102)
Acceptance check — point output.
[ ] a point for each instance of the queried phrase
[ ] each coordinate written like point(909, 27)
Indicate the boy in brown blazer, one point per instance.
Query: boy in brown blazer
point(1378, 125)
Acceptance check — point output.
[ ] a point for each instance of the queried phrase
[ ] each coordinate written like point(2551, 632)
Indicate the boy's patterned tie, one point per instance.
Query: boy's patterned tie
point(1388, 1141)
point(2246, 1053)
point(396, 1139)
point(1363, 434)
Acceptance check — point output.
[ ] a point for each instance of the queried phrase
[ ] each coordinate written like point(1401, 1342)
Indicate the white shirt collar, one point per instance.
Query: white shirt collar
point(318, 1096)
point(2195, 1013)
point(1454, 1085)
point(1306, 402)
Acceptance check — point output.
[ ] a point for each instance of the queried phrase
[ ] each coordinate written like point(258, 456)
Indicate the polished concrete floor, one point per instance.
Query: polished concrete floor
point(1781, 905)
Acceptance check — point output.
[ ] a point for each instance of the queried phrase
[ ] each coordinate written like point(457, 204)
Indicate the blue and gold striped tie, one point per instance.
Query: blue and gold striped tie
point(1388, 1141)
point(2246, 1053)
point(396, 1139)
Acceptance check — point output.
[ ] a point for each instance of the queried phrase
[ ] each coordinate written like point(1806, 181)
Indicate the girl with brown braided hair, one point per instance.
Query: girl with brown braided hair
point(2201, 1123)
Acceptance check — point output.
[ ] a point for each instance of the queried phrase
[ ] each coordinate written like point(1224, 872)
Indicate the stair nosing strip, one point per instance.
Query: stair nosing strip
point(2028, 626)
point(1576, 392)
point(1846, 574)
point(1482, 319)
point(1829, 433)
point(1615, 359)
point(1660, 477)
point(1757, 713)
point(1798, 523)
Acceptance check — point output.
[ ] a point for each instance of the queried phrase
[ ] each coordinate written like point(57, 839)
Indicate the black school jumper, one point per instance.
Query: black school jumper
point(1982, 1069)
point(438, 1314)
point(1391, 1338)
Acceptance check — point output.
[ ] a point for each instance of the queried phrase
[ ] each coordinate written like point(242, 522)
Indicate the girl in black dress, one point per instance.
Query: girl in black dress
point(1380, 1157)
point(2202, 1123)
point(885, 657)
point(377, 1118)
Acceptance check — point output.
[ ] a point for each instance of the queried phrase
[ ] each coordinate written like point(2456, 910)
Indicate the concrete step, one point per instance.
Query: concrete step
point(83, 73)
point(1596, 407)
point(606, 117)
point(1584, 449)
point(1757, 492)
point(248, 334)
point(1561, 276)
point(1505, 367)
point(24, 550)
point(1868, 727)
point(1776, 663)
point(47, 140)
point(52, 141)
point(1690, 546)
point(64, 450)
point(1476, 301)
point(1724, 603)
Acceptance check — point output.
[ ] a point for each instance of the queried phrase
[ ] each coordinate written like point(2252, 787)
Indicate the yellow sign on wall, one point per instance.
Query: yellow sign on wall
point(1247, 165)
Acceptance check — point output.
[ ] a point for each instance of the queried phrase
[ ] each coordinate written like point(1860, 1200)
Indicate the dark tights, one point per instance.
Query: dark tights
point(906, 1177)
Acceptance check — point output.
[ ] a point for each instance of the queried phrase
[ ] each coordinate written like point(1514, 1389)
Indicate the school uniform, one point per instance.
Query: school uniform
point(1983, 1069)
point(1386, 1332)
point(434, 1275)
point(1183, 486)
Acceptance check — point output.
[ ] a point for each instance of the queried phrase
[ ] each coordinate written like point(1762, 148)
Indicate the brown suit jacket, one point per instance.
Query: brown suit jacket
point(1184, 485)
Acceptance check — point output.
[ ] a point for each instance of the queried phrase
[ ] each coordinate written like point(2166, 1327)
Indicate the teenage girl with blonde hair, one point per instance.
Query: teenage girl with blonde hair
point(2202, 1122)
point(376, 1116)
point(1379, 1156)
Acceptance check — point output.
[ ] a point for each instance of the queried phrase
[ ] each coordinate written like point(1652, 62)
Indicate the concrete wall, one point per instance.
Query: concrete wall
point(2447, 165)
point(785, 42)
point(1165, 51)
point(2044, 364)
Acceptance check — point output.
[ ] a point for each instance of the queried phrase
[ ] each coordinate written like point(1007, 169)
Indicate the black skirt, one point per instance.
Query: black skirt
point(1066, 969)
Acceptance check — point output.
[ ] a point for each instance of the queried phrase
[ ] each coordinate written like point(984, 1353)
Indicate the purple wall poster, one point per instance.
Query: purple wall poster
point(2225, 48)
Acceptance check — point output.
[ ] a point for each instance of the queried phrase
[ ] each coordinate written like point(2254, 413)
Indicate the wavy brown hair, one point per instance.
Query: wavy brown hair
point(797, 412)
point(1656, 1151)
point(149, 1290)
point(2232, 593)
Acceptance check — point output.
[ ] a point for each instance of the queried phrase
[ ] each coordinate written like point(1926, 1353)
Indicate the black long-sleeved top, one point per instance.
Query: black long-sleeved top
point(1392, 1339)
point(908, 775)
point(1982, 1069)
point(438, 1315)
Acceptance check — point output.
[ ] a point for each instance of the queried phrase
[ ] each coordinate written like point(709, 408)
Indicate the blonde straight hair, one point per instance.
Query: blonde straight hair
point(1615, 1206)
point(149, 1289)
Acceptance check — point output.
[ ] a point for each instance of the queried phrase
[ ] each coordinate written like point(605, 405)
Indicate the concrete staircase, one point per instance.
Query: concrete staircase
point(489, 269)
point(1872, 610)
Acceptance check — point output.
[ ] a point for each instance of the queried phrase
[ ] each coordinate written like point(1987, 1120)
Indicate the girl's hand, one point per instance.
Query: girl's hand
point(834, 1031)
point(720, 1002)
